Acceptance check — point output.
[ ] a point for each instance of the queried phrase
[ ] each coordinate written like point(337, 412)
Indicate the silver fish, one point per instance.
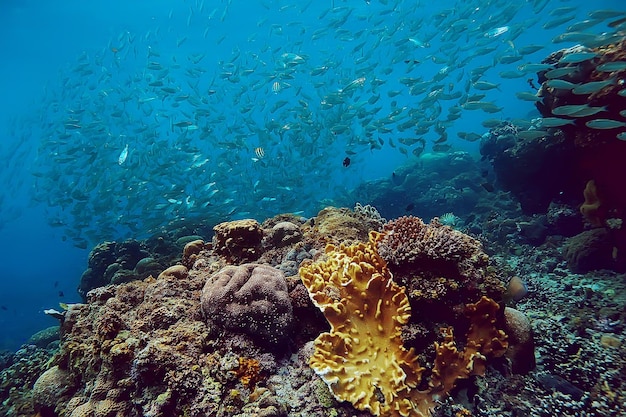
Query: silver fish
point(555, 122)
point(577, 57)
point(561, 84)
point(123, 155)
point(592, 87)
point(604, 124)
point(611, 66)
point(582, 110)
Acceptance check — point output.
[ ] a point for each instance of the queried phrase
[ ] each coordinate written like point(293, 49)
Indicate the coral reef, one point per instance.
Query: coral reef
point(146, 348)
point(362, 358)
point(579, 164)
point(17, 377)
point(433, 184)
point(117, 262)
point(45, 338)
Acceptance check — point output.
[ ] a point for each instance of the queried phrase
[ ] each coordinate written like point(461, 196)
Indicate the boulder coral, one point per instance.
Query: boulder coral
point(238, 241)
point(339, 225)
point(249, 298)
point(362, 358)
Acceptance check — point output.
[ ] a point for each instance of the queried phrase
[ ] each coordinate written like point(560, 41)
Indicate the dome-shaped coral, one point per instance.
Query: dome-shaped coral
point(249, 298)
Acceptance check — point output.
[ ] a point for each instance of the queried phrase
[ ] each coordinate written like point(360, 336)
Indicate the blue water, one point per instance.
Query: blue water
point(45, 235)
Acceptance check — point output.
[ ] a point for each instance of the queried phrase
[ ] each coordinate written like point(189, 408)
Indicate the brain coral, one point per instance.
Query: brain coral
point(249, 298)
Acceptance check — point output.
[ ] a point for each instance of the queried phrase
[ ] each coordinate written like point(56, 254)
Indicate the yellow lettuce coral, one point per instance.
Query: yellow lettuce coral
point(362, 358)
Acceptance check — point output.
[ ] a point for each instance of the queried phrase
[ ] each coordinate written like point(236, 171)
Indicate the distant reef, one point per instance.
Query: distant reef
point(580, 161)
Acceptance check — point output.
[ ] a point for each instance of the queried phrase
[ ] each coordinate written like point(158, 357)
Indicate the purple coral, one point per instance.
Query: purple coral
point(249, 298)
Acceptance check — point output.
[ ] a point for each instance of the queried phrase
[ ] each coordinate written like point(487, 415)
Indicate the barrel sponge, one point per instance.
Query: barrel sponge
point(362, 358)
point(249, 298)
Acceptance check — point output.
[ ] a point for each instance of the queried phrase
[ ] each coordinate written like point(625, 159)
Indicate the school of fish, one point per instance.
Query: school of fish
point(157, 126)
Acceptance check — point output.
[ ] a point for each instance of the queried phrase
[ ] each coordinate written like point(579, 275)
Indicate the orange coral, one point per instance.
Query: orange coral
point(248, 371)
point(591, 207)
point(362, 358)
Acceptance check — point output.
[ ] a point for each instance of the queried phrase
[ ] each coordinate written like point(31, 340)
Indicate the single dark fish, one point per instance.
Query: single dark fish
point(554, 382)
point(409, 207)
point(346, 162)
point(396, 179)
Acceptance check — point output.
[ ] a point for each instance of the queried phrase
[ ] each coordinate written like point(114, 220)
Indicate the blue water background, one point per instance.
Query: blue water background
point(40, 41)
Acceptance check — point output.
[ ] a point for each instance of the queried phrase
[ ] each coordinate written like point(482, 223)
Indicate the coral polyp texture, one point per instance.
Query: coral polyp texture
point(408, 240)
point(362, 358)
point(238, 241)
point(251, 298)
point(439, 266)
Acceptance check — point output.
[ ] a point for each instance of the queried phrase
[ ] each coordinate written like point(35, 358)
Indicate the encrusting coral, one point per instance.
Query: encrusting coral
point(362, 358)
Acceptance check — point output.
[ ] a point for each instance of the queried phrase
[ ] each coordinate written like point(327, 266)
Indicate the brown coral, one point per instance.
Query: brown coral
point(336, 226)
point(408, 240)
point(191, 251)
point(437, 264)
point(238, 241)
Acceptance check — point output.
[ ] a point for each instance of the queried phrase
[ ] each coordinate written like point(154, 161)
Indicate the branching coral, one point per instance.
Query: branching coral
point(362, 358)
point(409, 240)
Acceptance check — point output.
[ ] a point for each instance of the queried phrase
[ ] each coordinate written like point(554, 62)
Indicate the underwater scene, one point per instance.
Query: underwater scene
point(346, 208)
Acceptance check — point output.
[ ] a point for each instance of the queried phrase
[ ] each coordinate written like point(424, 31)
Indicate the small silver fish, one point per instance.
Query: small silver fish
point(611, 66)
point(577, 110)
point(577, 57)
point(592, 87)
point(123, 155)
point(604, 124)
point(561, 72)
point(555, 122)
point(560, 84)
point(528, 96)
point(532, 134)
point(484, 85)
